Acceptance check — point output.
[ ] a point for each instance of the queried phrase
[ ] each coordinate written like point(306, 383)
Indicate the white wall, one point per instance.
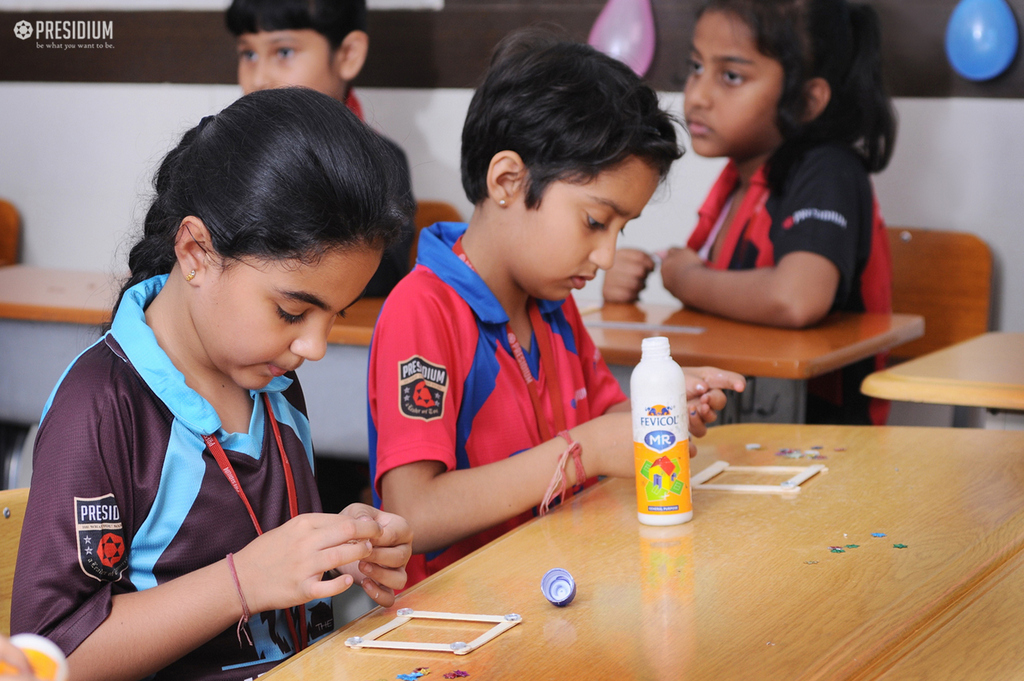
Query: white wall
point(77, 160)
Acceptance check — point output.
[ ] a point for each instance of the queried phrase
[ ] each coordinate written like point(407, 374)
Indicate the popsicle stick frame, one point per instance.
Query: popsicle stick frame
point(790, 486)
point(502, 623)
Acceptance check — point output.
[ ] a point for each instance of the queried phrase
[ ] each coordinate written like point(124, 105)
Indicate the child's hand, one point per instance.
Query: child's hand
point(13, 663)
point(285, 566)
point(383, 571)
point(675, 262)
point(704, 396)
point(627, 276)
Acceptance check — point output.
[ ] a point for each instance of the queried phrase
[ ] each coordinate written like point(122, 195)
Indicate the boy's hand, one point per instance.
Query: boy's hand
point(285, 566)
point(383, 571)
point(627, 276)
point(704, 396)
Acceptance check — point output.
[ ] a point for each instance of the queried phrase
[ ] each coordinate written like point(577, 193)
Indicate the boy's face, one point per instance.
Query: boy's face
point(573, 232)
point(298, 58)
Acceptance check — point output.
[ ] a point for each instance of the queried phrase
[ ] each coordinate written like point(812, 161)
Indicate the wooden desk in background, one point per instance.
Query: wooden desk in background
point(750, 589)
point(985, 371)
point(49, 316)
point(752, 350)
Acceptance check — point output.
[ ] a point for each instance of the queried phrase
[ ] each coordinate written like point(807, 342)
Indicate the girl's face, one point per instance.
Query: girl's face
point(732, 93)
point(258, 319)
point(573, 232)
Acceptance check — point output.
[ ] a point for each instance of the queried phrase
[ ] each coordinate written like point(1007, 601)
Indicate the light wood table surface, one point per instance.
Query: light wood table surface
point(978, 639)
point(750, 588)
point(750, 349)
point(985, 371)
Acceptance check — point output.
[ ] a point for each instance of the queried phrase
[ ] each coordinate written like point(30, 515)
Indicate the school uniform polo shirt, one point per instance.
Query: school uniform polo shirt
point(125, 496)
point(444, 385)
point(826, 207)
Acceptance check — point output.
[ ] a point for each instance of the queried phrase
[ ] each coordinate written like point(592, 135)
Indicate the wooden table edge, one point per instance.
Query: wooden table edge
point(888, 384)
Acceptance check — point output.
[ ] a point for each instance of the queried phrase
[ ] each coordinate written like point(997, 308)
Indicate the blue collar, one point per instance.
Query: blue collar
point(139, 344)
point(435, 252)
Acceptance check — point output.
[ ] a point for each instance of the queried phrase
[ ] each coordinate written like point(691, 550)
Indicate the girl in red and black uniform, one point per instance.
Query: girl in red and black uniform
point(790, 91)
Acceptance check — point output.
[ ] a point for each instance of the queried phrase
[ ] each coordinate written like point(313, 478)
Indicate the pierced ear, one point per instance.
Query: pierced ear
point(192, 246)
point(817, 94)
point(506, 177)
point(350, 56)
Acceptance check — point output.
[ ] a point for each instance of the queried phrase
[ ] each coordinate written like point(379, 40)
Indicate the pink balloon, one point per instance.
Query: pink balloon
point(625, 30)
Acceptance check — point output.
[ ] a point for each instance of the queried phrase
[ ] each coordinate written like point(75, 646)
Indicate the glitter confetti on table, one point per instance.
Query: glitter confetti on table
point(878, 534)
point(853, 546)
point(899, 546)
point(457, 674)
point(837, 549)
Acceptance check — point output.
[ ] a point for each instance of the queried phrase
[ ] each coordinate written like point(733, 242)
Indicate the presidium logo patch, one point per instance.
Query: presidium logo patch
point(421, 388)
point(102, 553)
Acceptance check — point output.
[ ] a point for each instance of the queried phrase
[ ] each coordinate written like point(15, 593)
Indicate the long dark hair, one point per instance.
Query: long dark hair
point(569, 111)
point(830, 39)
point(280, 174)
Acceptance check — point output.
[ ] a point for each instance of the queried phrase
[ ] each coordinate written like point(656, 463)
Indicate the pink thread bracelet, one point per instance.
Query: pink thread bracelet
point(558, 482)
point(241, 597)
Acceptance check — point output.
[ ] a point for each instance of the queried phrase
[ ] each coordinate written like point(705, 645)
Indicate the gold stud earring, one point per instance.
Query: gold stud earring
point(190, 276)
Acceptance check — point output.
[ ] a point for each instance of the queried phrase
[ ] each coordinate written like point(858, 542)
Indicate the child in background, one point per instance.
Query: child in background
point(172, 528)
point(790, 91)
point(322, 45)
point(482, 376)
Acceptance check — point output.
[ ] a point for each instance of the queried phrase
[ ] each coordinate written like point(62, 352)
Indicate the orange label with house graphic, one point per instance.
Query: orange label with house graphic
point(662, 461)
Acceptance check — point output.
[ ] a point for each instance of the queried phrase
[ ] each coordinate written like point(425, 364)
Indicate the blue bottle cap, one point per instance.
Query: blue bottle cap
point(558, 586)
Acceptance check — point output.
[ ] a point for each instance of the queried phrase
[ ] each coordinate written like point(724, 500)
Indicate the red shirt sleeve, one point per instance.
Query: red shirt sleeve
point(422, 350)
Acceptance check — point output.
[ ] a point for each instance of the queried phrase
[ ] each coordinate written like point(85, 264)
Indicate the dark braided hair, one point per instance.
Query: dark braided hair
point(280, 174)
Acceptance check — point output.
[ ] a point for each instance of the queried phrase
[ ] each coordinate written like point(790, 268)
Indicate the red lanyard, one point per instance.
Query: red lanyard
point(293, 502)
point(547, 359)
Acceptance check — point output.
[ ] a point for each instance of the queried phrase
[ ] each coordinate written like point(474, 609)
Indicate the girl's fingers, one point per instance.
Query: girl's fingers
point(393, 578)
point(390, 556)
point(381, 595)
point(326, 588)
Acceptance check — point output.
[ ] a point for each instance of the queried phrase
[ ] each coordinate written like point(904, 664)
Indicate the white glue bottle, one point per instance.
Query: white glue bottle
point(661, 439)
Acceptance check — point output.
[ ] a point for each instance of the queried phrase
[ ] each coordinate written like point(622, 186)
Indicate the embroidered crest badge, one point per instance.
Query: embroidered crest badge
point(102, 553)
point(421, 388)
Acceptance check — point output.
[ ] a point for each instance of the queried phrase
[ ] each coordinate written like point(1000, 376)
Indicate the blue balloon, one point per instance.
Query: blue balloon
point(981, 38)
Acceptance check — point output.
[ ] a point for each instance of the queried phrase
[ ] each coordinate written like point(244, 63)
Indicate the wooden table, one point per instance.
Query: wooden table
point(750, 588)
point(985, 371)
point(793, 355)
point(48, 316)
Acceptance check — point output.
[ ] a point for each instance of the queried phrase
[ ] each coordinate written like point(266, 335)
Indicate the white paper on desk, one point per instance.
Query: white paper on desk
point(643, 326)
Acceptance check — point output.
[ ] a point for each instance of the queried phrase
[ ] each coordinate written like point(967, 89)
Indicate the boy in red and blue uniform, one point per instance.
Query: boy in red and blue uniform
point(481, 371)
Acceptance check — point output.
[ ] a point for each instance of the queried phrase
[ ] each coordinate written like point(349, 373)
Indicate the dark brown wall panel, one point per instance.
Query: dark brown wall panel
point(450, 48)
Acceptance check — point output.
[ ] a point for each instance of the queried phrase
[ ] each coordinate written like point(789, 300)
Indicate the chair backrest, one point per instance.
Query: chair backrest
point(10, 233)
point(947, 278)
point(427, 213)
point(12, 515)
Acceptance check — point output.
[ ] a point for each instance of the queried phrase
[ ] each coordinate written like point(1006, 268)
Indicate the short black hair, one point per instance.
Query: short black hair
point(333, 19)
point(569, 111)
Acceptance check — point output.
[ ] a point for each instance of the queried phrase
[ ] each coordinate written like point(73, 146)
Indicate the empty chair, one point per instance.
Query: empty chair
point(946, 277)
